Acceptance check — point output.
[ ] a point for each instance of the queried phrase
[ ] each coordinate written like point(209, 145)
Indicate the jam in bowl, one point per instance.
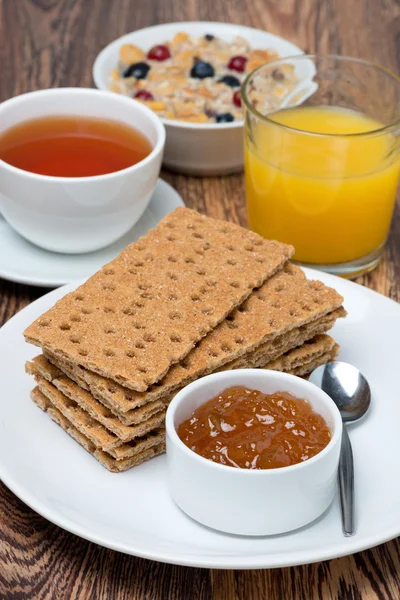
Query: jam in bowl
point(248, 429)
point(253, 452)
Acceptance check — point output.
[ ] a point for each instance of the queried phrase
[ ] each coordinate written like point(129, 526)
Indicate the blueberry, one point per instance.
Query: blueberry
point(277, 75)
point(209, 37)
point(138, 70)
point(230, 80)
point(201, 70)
point(224, 118)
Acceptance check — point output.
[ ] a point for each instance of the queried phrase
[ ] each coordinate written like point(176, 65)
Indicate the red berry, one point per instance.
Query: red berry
point(160, 53)
point(237, 101)
point(144, 95)
point(237, 63)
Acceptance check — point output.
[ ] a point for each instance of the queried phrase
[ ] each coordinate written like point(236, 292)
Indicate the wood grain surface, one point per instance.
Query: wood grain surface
point(51, 43)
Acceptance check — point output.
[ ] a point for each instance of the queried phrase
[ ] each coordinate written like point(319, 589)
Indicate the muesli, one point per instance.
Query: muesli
point(194, 79)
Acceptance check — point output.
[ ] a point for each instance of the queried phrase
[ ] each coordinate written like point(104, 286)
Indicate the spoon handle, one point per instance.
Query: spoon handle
point(346, 484)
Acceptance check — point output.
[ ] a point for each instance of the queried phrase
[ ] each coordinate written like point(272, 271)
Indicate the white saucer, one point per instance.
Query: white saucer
point(23, 262)
point(133, 512)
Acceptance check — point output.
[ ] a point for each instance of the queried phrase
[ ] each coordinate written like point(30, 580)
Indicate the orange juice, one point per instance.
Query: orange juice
point(330, 196)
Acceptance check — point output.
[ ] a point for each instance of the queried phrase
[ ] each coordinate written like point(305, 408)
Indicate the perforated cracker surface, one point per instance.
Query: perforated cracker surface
point(299, 361)
point(253, 359)
point(118, 399)
point(286, 302)
point(273, 349)
point(146, 309)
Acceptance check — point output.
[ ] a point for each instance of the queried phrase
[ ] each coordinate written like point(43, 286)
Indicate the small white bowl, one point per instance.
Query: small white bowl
point(195, 149)
point(244, 501)
point(78, 214)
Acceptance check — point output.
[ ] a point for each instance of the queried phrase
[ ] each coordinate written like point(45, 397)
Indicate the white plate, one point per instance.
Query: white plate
point(132, 512)
point(24, 262)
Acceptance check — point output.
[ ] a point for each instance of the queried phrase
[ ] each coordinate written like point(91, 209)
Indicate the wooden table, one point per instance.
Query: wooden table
point(51, 43)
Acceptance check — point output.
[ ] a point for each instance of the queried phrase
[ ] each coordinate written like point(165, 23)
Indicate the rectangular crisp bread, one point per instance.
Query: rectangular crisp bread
point(112, 395)
point(282, 344)
point(119, 424)
point(303, 360)
point(298, 357)
point(42, 369)
point(299, 361)
point(308, 368)
point(101, 426)
point(110, 463)
point(146, 309)
point(92, 428)
point(286, 302)
point(95, 431)
point(66, 381)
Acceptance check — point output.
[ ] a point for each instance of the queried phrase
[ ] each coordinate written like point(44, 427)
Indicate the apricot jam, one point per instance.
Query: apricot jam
point(247, 429)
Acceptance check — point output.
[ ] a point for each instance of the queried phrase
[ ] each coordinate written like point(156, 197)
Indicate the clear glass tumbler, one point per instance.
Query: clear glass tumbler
point(322, 158)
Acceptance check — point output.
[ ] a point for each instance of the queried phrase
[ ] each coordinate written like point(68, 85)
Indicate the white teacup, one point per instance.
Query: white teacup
point(79, 214)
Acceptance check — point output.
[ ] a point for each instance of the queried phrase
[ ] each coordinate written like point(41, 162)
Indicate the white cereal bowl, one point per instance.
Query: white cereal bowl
point(251, 502)
point(79, 214)
point(191, 148)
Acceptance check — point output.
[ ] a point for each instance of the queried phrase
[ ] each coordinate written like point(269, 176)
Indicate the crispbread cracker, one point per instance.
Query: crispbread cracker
point(282, 344)
point(105, 459)
point(95, 431)
point(113, 395)
point(307, 368)
point(301, 361)
point(286, 302)
point(320, 344)
point(92, 429)
point(255, 358)
point(146, 309)
point(96, 409)
point(41, 367)
point(138, 445)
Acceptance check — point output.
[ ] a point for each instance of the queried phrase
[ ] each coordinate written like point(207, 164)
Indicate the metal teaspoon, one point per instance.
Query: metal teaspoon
point(351, 393)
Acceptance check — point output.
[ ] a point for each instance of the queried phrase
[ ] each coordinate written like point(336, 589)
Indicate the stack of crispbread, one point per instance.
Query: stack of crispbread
point(193, 296)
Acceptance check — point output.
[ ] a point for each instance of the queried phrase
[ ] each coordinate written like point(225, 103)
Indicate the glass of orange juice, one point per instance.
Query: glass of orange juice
point(322, 158)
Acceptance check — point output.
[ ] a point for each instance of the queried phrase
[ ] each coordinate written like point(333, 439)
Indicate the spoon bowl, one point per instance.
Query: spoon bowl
point(347, 387)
